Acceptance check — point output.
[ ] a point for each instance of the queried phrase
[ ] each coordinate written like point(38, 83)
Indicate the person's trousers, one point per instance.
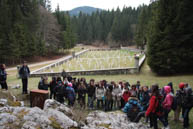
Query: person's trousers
point(4, 85)
point(153, 119)
point(91, 102)
point(166, 112)
point(52, 94)
point(139, 116)
point(186, 117)
point(25, 83)
point(117, 104)
point(108, 105)
point(99, 103)
point(177, 113)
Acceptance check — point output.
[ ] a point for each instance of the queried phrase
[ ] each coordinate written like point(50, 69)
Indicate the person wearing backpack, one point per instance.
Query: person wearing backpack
point(167, 103)
point(3, 77)
point(155, 109)
point(180, 101)
point(60, 90)
point(133, 107)
point(52, 86)
point(187, 106)
point(70, 94)
point(24, 73)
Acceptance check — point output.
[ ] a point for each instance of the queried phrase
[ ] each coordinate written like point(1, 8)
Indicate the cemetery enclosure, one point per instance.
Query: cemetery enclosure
point(96, 62)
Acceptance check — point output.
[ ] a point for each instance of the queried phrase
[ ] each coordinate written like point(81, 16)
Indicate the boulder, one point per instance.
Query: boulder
point(34, 118)
point(53, 104)
point(3, 102)
point(110, 120)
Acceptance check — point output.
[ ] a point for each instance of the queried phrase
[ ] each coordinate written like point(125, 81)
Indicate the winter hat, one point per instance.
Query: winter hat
point(181, 85)
point(167, 89)
point(70, 84)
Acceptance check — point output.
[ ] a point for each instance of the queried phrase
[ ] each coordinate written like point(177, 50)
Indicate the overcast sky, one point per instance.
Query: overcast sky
point(103, 4)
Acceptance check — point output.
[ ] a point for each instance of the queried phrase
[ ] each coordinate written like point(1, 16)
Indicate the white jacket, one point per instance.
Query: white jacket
point(117, 93)
point(100, 92)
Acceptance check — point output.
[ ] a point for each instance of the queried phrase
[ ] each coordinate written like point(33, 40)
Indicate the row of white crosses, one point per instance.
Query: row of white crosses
point(97, 60)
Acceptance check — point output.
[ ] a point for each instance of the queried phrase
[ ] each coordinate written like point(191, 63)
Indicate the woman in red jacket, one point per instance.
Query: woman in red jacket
point(153, 104)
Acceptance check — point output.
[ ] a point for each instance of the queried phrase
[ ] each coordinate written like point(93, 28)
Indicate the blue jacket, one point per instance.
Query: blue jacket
point(132, 101)
point(70, 93)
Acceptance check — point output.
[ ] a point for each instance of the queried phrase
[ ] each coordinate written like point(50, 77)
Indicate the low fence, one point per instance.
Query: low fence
point(112, 71)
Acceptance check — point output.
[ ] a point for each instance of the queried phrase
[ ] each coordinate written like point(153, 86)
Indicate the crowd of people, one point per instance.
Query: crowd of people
point(152, 103)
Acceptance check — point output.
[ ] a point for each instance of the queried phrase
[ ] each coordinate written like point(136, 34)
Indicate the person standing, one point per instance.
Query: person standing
point(24, 73)
point(3, 77)
point(91, 93)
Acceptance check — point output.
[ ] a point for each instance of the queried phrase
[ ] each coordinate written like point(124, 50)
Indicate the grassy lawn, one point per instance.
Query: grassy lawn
point(146, 77)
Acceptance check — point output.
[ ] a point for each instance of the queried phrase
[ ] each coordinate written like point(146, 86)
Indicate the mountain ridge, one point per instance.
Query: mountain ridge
point(84, 9)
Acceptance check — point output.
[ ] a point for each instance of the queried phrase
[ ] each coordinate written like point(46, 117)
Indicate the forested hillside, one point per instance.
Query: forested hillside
point(113, 27)
point(166, 26)
point(27, 28)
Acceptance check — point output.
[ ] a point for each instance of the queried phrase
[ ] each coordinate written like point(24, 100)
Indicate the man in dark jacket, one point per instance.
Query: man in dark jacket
point(52, 86)
point(60, 90)
point(187, 106)
point(3, 77)
point(24, 73)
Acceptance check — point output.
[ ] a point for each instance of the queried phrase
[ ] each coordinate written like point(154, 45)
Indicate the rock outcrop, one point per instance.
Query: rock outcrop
point(59, 116)
point(35, 118)
point(110, 120)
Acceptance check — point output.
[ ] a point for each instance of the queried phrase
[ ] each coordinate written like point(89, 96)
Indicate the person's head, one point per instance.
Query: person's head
point(59, 79)
point(188, 91)
point(133, 87)
point(70, 84)
point(92, 82)
point(186, 85)
point(2, 66)
point(24, 63)
point(155, 90)
point(181, 85)
point(110, 87)
point(138, 82)
point(167, 89)
point(145, 88)
point(53, 78)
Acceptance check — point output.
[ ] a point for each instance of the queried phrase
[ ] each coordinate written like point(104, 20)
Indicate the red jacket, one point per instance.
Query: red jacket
point(153, 104)
point(126, 96)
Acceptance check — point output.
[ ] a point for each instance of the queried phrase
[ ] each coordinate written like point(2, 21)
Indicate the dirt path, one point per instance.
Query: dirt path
point(37, 64)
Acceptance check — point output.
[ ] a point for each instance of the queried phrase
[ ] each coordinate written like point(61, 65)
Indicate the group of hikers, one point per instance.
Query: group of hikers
point(136, 101)
point(152, 103)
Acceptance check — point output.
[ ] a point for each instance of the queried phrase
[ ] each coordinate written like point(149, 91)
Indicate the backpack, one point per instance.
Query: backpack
point(133, 112)
point(60, 88)
point(174, 103)
point(159, 108)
